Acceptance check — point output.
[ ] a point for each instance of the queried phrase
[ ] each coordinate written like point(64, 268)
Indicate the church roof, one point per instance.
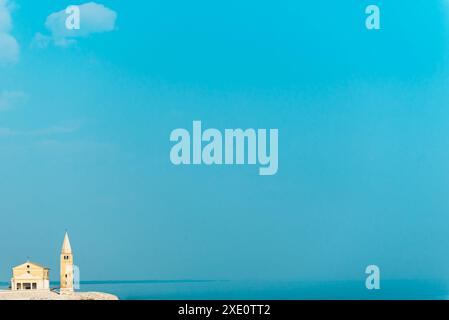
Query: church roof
point(23, 265)
point(66, 248)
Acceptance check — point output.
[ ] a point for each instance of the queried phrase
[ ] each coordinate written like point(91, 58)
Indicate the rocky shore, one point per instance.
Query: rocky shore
point(52, 295)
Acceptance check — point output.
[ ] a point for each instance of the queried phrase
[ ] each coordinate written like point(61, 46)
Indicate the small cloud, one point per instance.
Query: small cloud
point(40, 41)
point(53, 130)
point(50, 131)
point(9, 48)
point(5, 132)
point(9, 99)
point(5, 16)
point(94, 18)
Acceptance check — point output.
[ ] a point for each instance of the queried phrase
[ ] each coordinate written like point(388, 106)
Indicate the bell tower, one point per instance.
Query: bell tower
point(66, 265)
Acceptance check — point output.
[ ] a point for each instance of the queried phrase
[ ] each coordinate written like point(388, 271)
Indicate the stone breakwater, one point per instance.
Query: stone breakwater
point(51, 295)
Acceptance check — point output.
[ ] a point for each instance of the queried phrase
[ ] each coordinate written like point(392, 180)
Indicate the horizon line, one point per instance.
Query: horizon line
point(131, 281)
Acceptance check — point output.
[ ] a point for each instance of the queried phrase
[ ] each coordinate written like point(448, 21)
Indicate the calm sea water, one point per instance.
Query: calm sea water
point(262, 290)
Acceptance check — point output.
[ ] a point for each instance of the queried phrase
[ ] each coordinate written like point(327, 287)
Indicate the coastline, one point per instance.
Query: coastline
point(52, 295)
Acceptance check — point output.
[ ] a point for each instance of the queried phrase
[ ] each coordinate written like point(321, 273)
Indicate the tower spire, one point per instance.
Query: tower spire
point(66, 248)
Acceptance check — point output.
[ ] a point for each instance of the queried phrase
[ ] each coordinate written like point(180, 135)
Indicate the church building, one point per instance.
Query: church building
point(30, 276)
point(33, 276)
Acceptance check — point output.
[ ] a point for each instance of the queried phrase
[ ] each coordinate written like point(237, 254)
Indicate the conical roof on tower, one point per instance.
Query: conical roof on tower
point(66, 248)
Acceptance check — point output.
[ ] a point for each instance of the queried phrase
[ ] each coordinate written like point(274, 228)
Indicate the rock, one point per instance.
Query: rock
point(52, 295)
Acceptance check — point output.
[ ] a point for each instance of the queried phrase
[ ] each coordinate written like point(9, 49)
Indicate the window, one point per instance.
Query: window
point(34, 285)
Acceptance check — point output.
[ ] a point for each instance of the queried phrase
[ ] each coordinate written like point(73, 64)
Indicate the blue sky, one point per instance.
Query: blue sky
point(363, 153)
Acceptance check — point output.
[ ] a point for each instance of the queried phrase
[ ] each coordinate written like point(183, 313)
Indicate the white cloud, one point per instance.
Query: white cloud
point(9, 99)
point(9, 48)
point(50, 131)
point(40, 41)
point(94, 18)
point(5, 17)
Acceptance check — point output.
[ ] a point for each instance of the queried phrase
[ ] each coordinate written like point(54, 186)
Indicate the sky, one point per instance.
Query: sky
point(85, 120)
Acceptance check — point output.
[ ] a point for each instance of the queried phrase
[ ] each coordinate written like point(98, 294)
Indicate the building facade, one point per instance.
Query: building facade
point(30, 276)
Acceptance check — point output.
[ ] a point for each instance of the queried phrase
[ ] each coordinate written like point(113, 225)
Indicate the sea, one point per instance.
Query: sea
point(267, 290)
